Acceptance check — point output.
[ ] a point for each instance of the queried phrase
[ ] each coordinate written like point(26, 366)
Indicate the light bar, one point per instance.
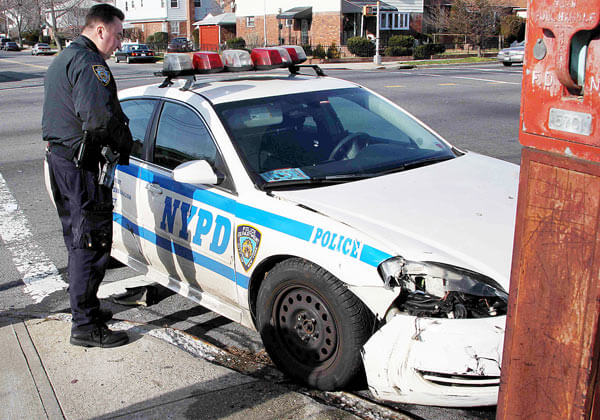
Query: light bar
point(266, 58)
point(186, 66)
point(237, 60)
point(207, 62)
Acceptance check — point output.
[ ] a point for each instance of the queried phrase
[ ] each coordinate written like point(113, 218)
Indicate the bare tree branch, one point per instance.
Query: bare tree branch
point(478, 19)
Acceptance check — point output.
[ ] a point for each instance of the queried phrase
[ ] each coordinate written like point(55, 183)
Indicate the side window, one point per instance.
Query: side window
point(139, 112)
point(181, 137)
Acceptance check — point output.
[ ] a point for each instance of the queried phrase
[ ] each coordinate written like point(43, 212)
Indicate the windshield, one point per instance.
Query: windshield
point(334, 135)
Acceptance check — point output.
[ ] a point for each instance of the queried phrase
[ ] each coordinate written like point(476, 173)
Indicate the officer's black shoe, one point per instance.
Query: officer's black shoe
point(104, 315)
point(99, 336)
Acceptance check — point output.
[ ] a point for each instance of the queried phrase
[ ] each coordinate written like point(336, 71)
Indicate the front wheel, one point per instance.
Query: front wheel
point(312, 326)
point(507, 63)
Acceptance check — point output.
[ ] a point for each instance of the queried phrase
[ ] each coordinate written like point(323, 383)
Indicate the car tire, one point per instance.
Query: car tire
point(312, 326)
point(116, 59)
point(128, 60)
point(507, 64)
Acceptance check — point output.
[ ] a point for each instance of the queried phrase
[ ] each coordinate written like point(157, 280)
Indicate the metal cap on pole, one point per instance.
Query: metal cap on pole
point(377, 58)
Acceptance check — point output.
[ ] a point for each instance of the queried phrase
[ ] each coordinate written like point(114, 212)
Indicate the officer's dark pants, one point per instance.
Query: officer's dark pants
point(85, 211)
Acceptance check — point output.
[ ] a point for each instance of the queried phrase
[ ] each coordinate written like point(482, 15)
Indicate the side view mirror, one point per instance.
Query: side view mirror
point(196, 172)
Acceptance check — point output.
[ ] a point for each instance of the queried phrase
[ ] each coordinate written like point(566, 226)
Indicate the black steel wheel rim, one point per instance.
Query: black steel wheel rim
point(305, 327)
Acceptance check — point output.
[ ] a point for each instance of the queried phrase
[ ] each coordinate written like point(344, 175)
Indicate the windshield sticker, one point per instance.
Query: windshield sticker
point(248, 241)
point(288, 174)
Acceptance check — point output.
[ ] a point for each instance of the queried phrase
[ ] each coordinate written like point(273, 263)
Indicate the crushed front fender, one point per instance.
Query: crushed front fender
point(436, 361)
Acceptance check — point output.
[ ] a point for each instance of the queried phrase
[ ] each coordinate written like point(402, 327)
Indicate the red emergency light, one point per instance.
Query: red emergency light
point(267, 58)
point(296, 53)
point(207, 62)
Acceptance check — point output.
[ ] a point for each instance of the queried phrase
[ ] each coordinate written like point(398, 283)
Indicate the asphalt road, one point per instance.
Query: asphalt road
point(474, 107)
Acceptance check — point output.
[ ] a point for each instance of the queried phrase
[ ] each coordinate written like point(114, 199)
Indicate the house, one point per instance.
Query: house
point(176, 17)
point(322, 22)
point(213, 31)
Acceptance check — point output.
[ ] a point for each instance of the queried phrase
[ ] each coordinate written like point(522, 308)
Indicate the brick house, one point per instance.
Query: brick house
point(322, 21)
point(176, 17)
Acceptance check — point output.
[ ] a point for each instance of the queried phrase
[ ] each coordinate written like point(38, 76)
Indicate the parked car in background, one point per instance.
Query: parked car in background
point(135, 52)
point(179, 45)
point(11, 46)
point(513, 54)
point(41, 48)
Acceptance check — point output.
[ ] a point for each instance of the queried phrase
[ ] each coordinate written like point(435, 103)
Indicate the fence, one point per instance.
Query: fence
point(462, 42)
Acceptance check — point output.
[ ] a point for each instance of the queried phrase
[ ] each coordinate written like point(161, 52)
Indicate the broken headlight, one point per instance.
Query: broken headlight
point(441, 290)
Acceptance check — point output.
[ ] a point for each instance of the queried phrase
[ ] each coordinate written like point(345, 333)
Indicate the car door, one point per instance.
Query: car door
point(190, 227)
point(126, 211)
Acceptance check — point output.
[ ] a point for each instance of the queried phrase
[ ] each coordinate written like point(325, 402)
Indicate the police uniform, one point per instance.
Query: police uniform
point(81, 95)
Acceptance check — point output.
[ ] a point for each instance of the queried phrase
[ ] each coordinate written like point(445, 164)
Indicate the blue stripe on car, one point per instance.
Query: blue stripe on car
point(369, 255)
point(273, 221)
point(182, 251)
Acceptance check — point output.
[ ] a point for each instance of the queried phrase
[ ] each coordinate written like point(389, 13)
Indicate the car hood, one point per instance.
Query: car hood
point(460, 212)
point(513, 49)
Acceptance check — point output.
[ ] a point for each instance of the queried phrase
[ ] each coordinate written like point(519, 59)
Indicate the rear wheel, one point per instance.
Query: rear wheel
point(116, 59)
point(128, 60)
point(507, 63)
point(312, 326)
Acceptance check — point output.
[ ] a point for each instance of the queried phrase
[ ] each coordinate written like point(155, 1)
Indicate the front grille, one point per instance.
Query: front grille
point(460, 380)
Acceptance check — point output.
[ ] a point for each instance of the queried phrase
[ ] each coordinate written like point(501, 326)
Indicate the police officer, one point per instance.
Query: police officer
point(81, 115)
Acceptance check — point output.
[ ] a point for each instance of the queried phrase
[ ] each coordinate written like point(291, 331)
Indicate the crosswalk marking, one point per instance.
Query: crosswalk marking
point(40, 275)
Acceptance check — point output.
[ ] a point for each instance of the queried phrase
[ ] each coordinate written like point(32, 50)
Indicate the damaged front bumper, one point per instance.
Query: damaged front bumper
point(436, 361)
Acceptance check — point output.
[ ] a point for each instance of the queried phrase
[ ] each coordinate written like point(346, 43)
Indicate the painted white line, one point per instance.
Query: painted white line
point(40, 275)
point(493, 70)
point(448, 76)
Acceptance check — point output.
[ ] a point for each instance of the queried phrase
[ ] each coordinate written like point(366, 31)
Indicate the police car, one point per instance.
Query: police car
point(344, 230)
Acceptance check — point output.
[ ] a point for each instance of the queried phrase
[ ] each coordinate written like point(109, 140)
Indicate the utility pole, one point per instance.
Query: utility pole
point(377, 58)
point(265, 22)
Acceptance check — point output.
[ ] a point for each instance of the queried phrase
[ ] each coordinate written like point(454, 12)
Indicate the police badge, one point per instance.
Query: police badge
point(248, 241)
point(102, 74)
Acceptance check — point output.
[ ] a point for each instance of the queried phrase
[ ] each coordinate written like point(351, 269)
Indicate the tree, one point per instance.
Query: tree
point(512, 28)
point(70, 13)
point(478, 19)
point(437, 18)
point(21, 14)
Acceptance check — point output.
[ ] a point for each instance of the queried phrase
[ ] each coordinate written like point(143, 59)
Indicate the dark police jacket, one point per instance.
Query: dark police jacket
point(80, 94)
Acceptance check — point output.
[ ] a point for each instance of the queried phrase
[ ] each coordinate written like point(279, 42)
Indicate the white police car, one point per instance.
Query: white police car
point(323, 215)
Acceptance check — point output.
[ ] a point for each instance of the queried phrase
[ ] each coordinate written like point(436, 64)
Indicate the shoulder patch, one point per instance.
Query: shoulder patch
point(102, 73)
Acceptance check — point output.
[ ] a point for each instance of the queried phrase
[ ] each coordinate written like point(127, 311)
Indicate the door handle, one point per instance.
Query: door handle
point(154, 188)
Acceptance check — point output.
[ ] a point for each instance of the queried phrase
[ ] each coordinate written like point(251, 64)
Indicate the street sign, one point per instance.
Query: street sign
point(370, 10)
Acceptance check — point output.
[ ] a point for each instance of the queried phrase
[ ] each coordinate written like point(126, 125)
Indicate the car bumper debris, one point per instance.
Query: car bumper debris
point(436, 361)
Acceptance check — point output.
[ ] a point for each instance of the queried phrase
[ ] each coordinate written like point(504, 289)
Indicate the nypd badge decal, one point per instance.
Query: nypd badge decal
point(102, 74)
point(248, 241)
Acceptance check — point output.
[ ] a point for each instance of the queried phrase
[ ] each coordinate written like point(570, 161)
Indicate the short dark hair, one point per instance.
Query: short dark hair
point(104, 13)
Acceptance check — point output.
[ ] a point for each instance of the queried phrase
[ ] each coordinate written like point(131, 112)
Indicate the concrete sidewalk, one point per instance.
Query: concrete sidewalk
point(44, 377)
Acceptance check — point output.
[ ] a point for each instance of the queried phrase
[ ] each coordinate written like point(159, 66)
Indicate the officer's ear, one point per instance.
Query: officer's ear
point(100, 30)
